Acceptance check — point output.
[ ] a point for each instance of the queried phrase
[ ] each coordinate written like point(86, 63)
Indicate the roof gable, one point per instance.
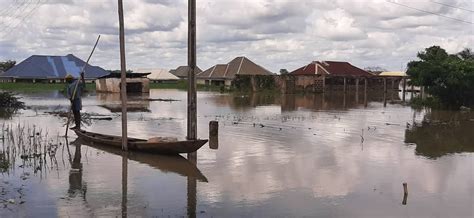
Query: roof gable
point(335, 68)
point(237, 66)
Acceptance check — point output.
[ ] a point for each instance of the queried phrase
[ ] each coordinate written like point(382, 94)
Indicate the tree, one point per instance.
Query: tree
point(284, 71)
point(6, 65)
point(375, 69)
point(448, 77)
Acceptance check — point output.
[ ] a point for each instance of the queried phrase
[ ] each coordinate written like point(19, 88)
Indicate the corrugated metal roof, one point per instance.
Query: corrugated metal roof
point(335, 68)
point(53, 67)
point(157, 74)
point(182, 71)
point(393, 73)
point(238, 66)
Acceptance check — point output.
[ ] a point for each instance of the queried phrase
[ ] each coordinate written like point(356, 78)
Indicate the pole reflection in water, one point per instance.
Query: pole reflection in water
point(191, 189)
point(76, 186)
point(124, 183)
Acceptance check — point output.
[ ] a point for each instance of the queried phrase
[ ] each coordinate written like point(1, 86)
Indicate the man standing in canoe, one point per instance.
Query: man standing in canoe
point(75, 87)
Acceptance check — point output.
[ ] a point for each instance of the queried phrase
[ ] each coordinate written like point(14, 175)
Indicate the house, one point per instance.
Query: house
point(225, 74)
point(45, 68)
point(136, 83)
point(158, 75)
point(319, 75)
point(182, 71)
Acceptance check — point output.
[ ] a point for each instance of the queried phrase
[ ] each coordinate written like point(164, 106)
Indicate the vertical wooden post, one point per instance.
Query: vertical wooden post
point(384, 85)
point(345, 81)
point(191, 190)
point(412, 91)
point(324, 83)
point(404, 88)
point(393, 84)
point(365, 92)
point(123, 80)
point(405, 193)
point(357, 90)
point(192, 102)
point(192, 119)
point(357, 85)
point(214, 134)
point(124, 184)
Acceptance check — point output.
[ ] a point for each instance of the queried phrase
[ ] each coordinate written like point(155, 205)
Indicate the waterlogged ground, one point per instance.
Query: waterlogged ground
point(329, 155)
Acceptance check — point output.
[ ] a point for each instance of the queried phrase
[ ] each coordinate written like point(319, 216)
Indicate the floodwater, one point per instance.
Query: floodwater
point(330, 155)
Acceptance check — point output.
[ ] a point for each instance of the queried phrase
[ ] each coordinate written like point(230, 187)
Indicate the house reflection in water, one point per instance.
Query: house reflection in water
point(442, 133)
point(136, 102)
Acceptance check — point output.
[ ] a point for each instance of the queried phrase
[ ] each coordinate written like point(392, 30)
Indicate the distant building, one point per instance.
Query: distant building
point(158, 75)
point(42, 68)
point(136, 83)
point(319, 75)
point(224, 74)
point(4, 79)
point(182, 71)
point(393, 74)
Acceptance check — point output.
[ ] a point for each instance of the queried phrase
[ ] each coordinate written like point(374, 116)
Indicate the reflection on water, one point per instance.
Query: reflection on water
point(136, 102)
point(442, 133)
point(278, 156)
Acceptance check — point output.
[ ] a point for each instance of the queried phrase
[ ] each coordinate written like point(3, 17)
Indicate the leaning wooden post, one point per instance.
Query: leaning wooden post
point(123, 78)
point(192, 104)
point(405, 193)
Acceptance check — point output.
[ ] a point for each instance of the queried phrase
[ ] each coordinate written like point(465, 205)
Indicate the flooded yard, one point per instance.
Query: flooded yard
point(320, 155)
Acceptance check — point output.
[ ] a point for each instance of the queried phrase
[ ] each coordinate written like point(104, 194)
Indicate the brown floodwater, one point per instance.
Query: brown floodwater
point(322, 155)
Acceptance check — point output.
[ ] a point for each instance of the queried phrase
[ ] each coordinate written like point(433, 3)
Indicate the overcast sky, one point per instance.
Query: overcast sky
point(274, 33)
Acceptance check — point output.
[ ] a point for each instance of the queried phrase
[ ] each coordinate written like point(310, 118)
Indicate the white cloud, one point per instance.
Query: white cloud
point(275, 33)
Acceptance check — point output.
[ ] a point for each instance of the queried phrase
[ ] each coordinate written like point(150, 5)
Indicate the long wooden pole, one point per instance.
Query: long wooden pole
point(83, 70)
point(192, 104)
point(123, 81)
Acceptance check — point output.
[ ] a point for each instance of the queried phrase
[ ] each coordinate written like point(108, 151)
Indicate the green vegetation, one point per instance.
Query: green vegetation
point(6, 65)
point(9, 104)
point(36, 87)
point(243, 83)
point(449, 78)
point(3, 163)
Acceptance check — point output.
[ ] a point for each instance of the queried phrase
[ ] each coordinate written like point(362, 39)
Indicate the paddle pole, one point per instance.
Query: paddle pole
point(123, 78)
point(77, 83)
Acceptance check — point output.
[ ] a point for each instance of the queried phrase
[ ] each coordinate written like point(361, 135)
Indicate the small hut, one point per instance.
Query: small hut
point(136, 83)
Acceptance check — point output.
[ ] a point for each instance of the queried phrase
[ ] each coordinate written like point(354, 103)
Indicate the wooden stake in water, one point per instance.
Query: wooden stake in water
point(192, 104)
point(123, 78)
point(405, 193)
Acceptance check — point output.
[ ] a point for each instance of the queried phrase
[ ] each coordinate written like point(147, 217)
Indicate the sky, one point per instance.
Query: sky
point(277, 34)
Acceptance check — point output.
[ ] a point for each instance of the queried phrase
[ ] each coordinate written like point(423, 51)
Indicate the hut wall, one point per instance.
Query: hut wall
point(113, 84)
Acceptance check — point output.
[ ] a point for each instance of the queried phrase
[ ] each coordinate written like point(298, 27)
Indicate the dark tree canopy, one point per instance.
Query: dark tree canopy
point(448, 77)
point(284, 71)
point(6, 65)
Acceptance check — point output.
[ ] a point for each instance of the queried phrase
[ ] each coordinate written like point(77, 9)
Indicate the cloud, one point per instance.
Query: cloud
point(274, 33)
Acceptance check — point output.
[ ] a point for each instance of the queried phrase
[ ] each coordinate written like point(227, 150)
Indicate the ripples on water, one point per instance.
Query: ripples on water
point(329, 155)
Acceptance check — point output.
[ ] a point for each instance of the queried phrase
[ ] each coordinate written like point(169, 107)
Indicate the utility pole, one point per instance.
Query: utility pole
point(192, 104)
point(123, 81)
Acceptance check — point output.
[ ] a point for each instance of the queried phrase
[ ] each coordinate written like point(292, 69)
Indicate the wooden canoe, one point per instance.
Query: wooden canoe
point(134, 144)
point(165, 163)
